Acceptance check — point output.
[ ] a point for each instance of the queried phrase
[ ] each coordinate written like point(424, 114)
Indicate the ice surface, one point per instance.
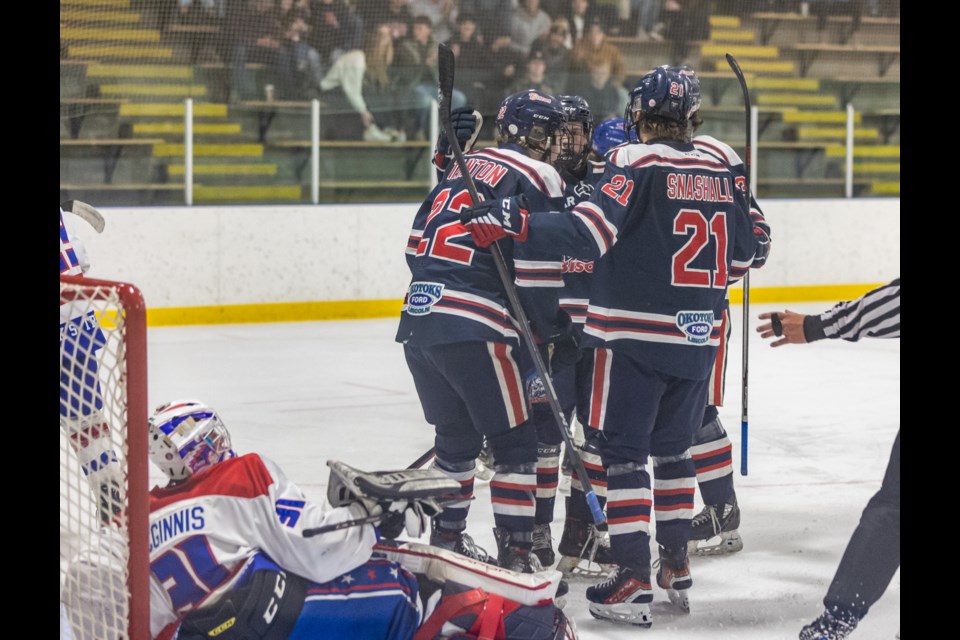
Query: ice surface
point(822, 420)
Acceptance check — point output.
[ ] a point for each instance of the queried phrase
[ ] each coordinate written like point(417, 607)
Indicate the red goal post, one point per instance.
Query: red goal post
point(104, 466)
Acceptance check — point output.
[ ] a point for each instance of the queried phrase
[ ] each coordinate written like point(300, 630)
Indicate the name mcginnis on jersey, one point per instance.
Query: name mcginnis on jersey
point(176, 524)
point(685, 186)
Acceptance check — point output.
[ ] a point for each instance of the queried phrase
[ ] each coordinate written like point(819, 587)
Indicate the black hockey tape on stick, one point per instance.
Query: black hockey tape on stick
point(777, 324)
point(447, 65)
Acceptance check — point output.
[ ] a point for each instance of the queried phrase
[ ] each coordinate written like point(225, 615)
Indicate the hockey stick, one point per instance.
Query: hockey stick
point(423, 459)
point(93, 217)
point(447, 65)
point(745, 386)
point(346, 524)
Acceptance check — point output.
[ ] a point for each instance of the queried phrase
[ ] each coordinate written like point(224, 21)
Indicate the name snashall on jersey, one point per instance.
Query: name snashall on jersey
point(481, 170)
point(685, 186)
point(177, 523)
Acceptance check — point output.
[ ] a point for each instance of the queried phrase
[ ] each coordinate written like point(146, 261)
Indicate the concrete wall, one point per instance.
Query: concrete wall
point(250, 255)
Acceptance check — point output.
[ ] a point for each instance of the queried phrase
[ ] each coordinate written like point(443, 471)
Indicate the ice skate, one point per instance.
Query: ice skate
point(543, 545)
point(673, 575)
point(714, 530)
point(830, 626)
point(624, 597)
point(584, 550)
point(461, 543)
point(520, 559)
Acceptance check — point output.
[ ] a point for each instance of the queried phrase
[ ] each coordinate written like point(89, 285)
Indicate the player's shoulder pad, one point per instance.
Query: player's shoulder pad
point(720, 150)
point(542, 175)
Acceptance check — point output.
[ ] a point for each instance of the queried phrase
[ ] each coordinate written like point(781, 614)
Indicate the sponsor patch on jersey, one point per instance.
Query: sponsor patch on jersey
point(536, 391)
point(696, 325)
point(422, 297)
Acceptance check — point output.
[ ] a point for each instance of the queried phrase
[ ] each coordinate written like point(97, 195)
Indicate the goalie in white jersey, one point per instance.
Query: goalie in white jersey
point(232, 553)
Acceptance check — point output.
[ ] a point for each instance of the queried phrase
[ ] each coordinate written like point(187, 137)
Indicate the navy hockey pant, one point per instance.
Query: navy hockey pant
point(470, 391)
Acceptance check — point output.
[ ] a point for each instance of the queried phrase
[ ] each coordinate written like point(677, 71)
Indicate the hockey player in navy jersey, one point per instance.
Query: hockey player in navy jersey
point(567, 365)
point(460, 338)
point(715, 528)
point(672, 226)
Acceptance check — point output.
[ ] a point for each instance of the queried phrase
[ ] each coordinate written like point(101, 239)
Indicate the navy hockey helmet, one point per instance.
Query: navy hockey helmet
point(532, 119)
point(669, 92)
point(578, 111)
point(610, 133)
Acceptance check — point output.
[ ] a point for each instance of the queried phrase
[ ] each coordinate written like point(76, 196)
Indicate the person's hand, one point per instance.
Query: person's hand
point(787, 326)
point(494, 219)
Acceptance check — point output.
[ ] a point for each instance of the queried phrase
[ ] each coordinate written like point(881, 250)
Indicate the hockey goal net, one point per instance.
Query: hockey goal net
point(104, 580)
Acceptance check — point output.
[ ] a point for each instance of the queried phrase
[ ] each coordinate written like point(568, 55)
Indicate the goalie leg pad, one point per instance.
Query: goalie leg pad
point(442, 565)
point(479, 614)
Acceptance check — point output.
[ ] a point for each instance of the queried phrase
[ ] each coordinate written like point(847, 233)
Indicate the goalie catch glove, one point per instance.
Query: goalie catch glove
point(406, 499)
point(492, 220)
point(466, 123)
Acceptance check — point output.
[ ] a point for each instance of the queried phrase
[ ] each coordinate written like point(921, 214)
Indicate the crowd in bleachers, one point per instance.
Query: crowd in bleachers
point(374, 62)
point(377, 59)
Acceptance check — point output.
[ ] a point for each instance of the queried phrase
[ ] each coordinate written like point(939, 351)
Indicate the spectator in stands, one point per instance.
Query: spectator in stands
point(299, 70)
point(493, 17)
point(416, 73)
point(505, 63)
point(256, 33)
point(646, 15)
point(687, 22)
point(605, 97)
point(473, 56)
point(336, 28)
point(393, 13)
point(553, 47)
point(442, 14)
point(578, 15)
point(534, 78)
point(592, 52)
point(529, 23)
point(379, 87)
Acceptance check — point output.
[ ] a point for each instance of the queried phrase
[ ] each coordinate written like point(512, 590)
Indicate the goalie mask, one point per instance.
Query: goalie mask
point(186, 437)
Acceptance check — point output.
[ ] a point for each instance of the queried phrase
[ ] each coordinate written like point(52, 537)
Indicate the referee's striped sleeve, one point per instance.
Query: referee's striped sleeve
point(875, 315)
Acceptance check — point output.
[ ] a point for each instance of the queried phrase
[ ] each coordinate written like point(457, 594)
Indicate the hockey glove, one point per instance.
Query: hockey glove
point(495, 219)
point(761, 233)
point(466, 126)
point(405, 499)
